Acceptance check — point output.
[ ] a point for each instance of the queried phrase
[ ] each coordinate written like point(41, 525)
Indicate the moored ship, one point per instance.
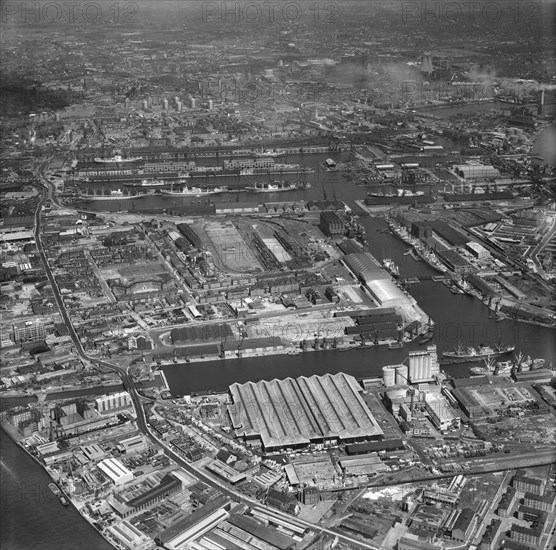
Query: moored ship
point(476, 354)
point(194, 191)
point(58, 492)
point(117, 159)
point(271, 187)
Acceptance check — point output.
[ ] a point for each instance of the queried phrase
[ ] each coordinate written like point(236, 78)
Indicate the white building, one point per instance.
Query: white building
point(441, 414)
point(128, 536)
point(423, 365)
point(115, 471)
point(478, 250)
point(110, 402)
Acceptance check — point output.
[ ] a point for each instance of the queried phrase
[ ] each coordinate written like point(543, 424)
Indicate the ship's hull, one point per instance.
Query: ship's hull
point(193, 192)
point(270, 190)
point(117, 160)
point(454, 356)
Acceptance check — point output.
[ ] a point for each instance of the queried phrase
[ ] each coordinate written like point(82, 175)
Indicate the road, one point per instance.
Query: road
point(142, 424)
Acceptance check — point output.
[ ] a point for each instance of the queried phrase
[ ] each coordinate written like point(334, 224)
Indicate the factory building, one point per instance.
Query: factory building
point(184, 531)
point(441, 414)
point(331, 224)
point(129, 537)
point(478, 250)
point(293, 413)
point(386, 293)
point(365, 267)
point(115, 471)
point(476, 172)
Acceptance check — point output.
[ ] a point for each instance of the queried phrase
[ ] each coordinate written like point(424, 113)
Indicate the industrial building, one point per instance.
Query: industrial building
point(476, 172)
point(128, 536)
point(293, 413)
point(478, 250)
point(331, 224)
point(423, 365)
point(385, 292)
point(167, 486)
point(181, 533)
point(366, 465)
point(441, 414)
point(115, 471)
point(365, 267)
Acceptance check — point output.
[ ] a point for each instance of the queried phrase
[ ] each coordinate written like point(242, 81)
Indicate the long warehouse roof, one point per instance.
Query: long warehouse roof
point(294, 412)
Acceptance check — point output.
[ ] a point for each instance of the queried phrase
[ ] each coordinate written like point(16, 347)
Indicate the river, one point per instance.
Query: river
point(545, 145)
point(33, 518)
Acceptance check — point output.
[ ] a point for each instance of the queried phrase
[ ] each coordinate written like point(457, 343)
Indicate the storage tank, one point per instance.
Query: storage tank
point(401, 375)
point(389, 376)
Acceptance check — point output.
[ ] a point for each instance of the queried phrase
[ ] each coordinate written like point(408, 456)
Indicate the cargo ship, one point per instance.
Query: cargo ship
point(480, 353)
point(195, 191)
point(268, 153)
point(275, 187)
point(147, 183)
point(391, 267)
point(117, 159)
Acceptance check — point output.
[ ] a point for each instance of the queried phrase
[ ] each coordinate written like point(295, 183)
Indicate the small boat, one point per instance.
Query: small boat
point(63, 500)
point(396, 345)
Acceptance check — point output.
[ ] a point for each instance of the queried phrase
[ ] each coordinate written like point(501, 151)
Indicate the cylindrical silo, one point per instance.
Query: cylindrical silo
point(401, 375)
point(389, 376)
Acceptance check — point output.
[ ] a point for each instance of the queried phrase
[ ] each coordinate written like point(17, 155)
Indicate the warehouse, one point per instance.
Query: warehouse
point(447, 233)
point(270, 537)
point(375, 446)
point(128, 536)
point(368, 465)
point(365, 267)
point(386, 293)
point(297, 412)
point(186, 530)
point(115, 471)
point(476, 172)
point(201, 334)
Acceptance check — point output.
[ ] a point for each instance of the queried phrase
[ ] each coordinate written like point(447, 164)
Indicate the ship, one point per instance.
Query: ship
point(117, 159)
point(58, 492)
point(146, 183)
point(396, 345)
point(374, 194)
point(476, 354)
point(272, 187)
point(268, 153)
point(195, 191)
point(391, 267)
